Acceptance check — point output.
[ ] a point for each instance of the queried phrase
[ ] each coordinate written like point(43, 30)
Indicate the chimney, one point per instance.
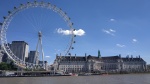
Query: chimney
point(132, 56)
point(99, 54)
point(119, 55)
point(85, 57)
point(75, 56)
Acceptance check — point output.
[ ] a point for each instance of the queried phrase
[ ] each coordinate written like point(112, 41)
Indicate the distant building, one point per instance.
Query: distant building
point(31, 56)
point(20, 49)
point(3, 55)
point(51, 67)
point(148, 67)
point(45, 63)
point(77, 64)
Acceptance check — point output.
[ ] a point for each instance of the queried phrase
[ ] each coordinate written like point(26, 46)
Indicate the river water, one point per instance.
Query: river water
point(98, 79)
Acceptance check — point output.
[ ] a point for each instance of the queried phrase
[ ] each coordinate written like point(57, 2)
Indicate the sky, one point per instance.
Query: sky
point(112, 26)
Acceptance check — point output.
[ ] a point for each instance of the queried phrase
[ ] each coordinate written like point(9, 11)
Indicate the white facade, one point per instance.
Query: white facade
point(74, 64)
point(148, 67)
point(134, 66)
point(73, 67)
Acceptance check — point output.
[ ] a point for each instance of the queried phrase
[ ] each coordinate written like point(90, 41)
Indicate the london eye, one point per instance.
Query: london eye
point(49, 33)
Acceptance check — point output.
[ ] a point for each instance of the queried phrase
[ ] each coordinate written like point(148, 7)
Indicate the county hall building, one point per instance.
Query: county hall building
point(89, 64)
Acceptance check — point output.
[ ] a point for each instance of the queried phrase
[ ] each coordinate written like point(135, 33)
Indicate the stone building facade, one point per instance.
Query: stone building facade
point(89, 64)
point(148, 67)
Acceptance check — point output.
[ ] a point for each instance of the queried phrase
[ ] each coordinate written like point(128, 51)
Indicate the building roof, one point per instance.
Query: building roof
point(71, 58)
point(111, 57)
point(19, 42)
point(83, 58)
point(132, 59)
point(105, 58)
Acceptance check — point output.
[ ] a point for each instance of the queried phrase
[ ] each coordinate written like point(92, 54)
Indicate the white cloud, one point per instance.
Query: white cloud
point(110, 32)
point(120, 45)
point(134, 40)
point(64, 32)
point(106, 31)
point(79, 32)
point(47, 56)
point(112, 20)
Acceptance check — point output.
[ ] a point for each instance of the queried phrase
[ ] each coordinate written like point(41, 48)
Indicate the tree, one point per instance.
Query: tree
point(3, 66)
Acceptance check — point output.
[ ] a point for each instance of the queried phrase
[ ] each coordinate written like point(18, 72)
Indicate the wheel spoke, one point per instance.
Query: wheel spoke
point(36, 25)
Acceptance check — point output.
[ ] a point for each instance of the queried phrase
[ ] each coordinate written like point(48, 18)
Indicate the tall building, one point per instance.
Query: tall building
point(33, 57)
point(20, 49)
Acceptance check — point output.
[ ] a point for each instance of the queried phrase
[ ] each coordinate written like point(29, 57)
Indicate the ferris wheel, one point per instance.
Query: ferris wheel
point(4, 26)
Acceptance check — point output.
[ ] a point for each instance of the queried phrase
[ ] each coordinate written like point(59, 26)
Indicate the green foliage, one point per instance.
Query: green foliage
point(5, 66)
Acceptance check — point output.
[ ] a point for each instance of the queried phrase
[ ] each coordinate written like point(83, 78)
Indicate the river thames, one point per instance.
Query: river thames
point(98, 79)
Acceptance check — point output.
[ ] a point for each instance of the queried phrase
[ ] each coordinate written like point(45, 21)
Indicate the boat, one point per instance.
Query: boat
point(73, 74)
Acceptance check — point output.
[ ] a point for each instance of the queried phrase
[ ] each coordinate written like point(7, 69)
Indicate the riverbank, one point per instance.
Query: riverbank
point(58, 75)
point(33, 76)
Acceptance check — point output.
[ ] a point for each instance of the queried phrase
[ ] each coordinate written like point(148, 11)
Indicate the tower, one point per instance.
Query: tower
point(99, 54)
point(20, 49)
